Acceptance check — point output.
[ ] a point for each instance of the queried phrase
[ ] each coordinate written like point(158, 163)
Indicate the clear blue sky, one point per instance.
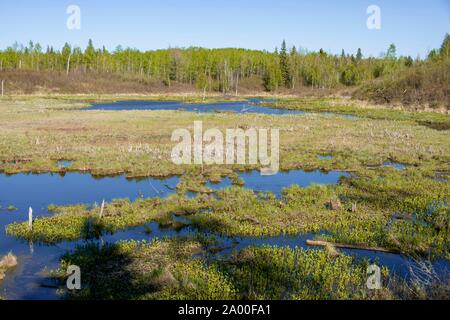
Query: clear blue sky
point(415, 26)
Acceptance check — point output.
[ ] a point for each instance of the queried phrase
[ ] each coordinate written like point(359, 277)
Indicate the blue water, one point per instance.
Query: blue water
point(40, 190)
point(244, 107)
point(325, 157)
point(28, 281)
point(395, 165)
point(64, 163)
point(276, 183)
point(249, 106)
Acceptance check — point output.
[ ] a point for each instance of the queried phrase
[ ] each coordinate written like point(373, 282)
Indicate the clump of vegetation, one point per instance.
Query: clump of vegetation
point(81, 222)
point(161, 269)
point(271, 273)
point(167, 270)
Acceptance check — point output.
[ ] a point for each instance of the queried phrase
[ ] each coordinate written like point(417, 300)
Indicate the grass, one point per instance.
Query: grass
point(304, 210)
point(271, 273)
point(39, 132)
point(71, 223)
point(162, 269)
point(362, 110)
point(177, 270)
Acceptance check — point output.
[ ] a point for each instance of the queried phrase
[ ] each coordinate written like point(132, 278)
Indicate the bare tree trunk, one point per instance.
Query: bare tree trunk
point(225, 76)
point(237, 83)
point(314, 243)
point(68, 65)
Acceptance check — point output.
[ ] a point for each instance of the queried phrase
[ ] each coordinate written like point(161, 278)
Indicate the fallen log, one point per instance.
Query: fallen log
point(314, 243)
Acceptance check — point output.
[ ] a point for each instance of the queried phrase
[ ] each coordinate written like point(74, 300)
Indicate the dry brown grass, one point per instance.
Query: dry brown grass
point(42, 131)
point(48, 82)
point(425, 84)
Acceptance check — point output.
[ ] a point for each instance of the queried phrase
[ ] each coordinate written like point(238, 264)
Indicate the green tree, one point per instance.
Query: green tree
point(359, 55)
point(284, 65)
point(392, 52)
point(445, 48)
point(89, 55)
point(409, 61)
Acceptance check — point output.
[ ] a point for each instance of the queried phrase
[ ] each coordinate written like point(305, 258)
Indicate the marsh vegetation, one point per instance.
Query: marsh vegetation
point(387, 186)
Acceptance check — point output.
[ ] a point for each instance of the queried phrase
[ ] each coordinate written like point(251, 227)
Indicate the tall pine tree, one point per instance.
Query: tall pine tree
point(284, 65)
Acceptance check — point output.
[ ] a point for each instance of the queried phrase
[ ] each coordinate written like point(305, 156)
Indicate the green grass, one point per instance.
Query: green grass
point(162, 269)
point(168, 270)
point(71, 223)
point(271, 273)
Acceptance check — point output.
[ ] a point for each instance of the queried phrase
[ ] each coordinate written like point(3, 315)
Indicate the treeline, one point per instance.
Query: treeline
point(219, 69)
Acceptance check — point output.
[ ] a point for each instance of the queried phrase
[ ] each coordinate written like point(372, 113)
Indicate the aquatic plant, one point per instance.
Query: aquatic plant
point(161, 269)
point(271, 273)
point(80, 221)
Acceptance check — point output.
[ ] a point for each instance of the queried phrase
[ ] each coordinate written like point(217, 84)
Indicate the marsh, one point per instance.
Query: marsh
point(80, 158)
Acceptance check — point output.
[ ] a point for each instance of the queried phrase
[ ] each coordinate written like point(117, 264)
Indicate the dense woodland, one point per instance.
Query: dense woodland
point(229, 70)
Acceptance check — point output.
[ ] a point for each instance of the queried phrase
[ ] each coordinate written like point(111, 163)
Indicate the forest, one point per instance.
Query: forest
point(228, 70)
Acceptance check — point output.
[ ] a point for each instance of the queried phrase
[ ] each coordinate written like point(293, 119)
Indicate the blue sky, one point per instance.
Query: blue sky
point(414, 26)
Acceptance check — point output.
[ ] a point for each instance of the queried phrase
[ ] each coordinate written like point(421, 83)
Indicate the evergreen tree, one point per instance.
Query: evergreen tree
point(359, 55)
point(445, 48)
point(409, 61)
point(284, 65)
point(89, 55)
point(392, 52)
point(66, 50)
